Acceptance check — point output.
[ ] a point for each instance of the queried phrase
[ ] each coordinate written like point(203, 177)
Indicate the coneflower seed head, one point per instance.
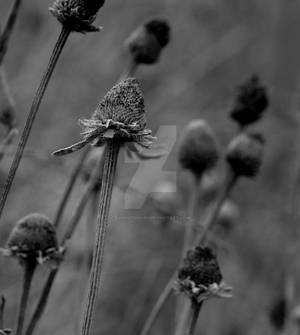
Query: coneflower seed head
point(147, 41)
point(77, 15)
point(198, 151)
point(33, 236)
point(245, 153)
point(251, 102)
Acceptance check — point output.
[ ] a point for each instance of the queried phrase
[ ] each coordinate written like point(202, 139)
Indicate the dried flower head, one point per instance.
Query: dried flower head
point(251, 102)
point(245, 153)
point(200, 277)
point(77, 15)
point(198, 151)
point(147, 41)
point(119, 116)
point(33, 239)
point(89, 165)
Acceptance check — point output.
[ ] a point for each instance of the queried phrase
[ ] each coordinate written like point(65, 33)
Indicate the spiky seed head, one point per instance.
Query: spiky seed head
point(201, 266)
point(245, 154)
point(32, 238)
point(77, 15)
point(198, 151)
point(251, 102)
point(120, 116)
point(147, 41)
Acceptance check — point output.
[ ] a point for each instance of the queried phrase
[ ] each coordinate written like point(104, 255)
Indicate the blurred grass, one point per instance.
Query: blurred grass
point(215, 45)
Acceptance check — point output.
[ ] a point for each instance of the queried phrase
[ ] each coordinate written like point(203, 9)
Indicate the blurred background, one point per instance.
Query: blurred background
point(215, 46)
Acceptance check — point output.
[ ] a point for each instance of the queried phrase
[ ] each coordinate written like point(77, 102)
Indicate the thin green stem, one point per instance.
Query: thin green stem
point(8, 28)
point(32, 114)
point(29, 268)
point(41, 305)
point(69, 187)
point(110, 164)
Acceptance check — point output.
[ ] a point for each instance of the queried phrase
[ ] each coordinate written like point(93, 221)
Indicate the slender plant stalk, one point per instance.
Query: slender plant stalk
point(69, 187)
point(110, 165)
point(64, 34)
point(41, 305)
point(129, 70)
point(29, 268)
point(8, 28)
point(208, 223)
point(195, 314)
point(2, 308)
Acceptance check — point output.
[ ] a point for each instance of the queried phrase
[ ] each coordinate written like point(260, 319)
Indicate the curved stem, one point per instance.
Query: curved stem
point(69, 188)
point(8, 28)
point(32, 114)
point(40, 308)
point(110, 164)
point(29, 268)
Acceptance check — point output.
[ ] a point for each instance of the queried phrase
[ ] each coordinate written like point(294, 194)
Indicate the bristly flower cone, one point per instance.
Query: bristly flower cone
point(32, 238)
point(147, 41)
point(119, 116)
point(198, 151)
point(245, 153)
point(251, 102)
point(77, 15)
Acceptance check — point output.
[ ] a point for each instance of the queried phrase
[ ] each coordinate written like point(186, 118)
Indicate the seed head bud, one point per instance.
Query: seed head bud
point(33, 239)
point(147, 41)
point(198, 150)
point(245, 153)
point(119, 116)
point(200, 276)
point(77, 15)
point(251, 102)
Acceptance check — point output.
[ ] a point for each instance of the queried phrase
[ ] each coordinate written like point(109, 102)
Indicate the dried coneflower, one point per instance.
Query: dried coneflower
point(147, 41)
point(245, 153)
point(119, 119)
point(200, 278)
point(75, 16)
point(251, 102)
point(198, 150)
point(33, 241)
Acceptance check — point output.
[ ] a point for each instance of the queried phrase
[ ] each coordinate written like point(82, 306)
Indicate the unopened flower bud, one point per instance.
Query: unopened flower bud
point(245, 153)
point(33, 239)
point(147, 41)
point(251, 102)
point(198, 150)
point(77, 15)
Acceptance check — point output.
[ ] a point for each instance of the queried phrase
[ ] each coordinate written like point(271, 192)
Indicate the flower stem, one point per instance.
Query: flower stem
point(110, 164)
point(129, 70)
point(2, 308)
point(195, 314)
point(209, 222)
point(40, 308)
point(8, 28)
point(32, 114)
point(69, 188)
point(29, 268)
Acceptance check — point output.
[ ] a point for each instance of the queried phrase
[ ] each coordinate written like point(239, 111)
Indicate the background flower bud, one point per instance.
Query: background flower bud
point(34, 235)
point(77, 15)
point(245, 153)
point(147, 41)
point(251, 102)
point(198, 150)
